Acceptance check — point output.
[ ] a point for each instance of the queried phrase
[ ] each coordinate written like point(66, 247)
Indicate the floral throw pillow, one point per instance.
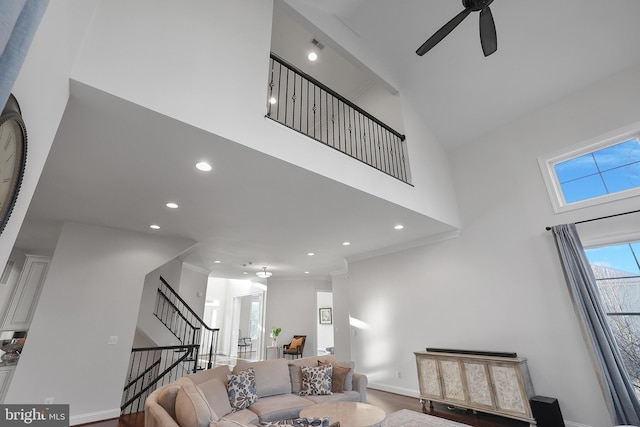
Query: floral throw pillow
point(242, 389)
point(316, 380)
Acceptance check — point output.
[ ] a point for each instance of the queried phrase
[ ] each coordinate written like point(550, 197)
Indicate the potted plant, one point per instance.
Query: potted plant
point(275, 331)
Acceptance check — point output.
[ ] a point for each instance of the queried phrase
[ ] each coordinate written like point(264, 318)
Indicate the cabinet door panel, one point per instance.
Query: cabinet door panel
point(26, 293)
point(428, 377)
point(509, 393)
point(6, 372)
point(452, 380)
point(479, 384)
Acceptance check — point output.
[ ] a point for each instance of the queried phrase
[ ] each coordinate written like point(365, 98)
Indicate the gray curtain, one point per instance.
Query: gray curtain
point(19, 20)
point(586, 301)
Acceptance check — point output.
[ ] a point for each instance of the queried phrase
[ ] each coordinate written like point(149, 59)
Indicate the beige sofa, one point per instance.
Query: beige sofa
point(201, 399)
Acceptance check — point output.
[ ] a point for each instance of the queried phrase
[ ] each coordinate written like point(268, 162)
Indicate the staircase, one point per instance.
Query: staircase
point(153, 367)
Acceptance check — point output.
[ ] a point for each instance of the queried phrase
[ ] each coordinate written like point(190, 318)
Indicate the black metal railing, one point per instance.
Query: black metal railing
point(300, 102)
point(152, 367)
point(186, 325)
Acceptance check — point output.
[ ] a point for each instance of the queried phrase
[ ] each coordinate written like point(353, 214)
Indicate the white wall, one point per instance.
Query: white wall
point(216, 295)
point(42, 89)
point(499, 286)
point(341, 326)
point(92, 291)
point(291, 305)
point(193, 288)
point(196, 56)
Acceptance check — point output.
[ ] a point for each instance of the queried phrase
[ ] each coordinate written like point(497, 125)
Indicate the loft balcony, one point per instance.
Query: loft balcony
point(300, 102)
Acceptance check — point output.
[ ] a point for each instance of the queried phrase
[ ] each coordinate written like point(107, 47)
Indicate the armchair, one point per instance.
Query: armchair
point(295, 347)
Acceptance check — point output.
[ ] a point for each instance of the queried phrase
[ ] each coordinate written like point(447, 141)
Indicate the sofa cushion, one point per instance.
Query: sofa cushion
point(338, 377)
point(215, 391)
point(316, 380)
point(272, 376)
point(280, 407)
point(167, 399)
point(220, 372)
point(241, 389)
point(192, 409)
point(244, 417)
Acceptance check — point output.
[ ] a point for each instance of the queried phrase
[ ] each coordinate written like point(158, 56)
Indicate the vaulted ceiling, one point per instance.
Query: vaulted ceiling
point(270, 213)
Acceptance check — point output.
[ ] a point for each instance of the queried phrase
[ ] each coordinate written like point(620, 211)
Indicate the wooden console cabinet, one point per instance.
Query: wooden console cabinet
point(491, 384)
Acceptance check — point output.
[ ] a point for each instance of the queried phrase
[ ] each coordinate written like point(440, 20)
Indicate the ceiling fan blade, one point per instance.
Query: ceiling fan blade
point(442, 32)
point(488, 37)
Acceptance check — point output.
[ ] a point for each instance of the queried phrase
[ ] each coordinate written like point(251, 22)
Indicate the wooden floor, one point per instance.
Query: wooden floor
point(389, 402)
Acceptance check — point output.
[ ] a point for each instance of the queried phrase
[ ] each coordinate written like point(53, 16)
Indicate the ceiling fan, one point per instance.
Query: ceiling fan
point(488, 37)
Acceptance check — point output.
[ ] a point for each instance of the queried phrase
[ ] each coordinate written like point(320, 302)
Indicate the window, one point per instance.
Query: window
point(595, 172)
point(617, 272)
point(254, 320)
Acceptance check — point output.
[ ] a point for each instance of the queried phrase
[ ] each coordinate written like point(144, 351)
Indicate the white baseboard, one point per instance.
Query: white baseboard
point(92, 417)
point(572, 424)
point(397, 390)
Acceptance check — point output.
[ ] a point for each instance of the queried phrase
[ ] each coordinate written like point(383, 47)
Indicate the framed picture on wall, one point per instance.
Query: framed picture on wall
point(325, 316)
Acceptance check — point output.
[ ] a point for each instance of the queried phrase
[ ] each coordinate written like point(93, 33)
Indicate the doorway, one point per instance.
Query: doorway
point(324, 322)
point(247, 326)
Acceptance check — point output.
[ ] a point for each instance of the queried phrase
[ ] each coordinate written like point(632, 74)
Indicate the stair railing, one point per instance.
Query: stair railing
point(186, 325)
point(151, 367)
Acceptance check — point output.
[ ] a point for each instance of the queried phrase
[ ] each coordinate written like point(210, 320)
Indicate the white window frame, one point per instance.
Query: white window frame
point(548, 162)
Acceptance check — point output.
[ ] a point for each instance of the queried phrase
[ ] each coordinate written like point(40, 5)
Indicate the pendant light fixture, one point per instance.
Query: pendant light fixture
point(264, 274)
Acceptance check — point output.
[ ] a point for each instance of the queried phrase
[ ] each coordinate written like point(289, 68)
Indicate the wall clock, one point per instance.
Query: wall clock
point(13, 157)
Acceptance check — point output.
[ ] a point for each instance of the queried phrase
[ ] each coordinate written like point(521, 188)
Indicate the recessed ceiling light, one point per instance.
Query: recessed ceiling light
point(172, 205)
point(311, 254)
point(244, 272)
point(306, 272)
point(399, 227)
point(203, 166)
point(154, 226)
point(346, 243)
point(312, 56)
point(272, 100)
point(217, 262)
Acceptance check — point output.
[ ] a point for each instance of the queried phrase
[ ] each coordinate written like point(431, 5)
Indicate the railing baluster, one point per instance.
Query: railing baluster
point(300, 103)
point(372, 142)
point(314, 111)
point(308, 84)
point(286, 104)
point(278, 98)
point(326, 116)
point(269, 104)
point(320, 119)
